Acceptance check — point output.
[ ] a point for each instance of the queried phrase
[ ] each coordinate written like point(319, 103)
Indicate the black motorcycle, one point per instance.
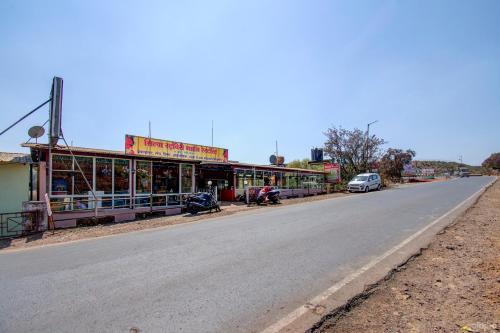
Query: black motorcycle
point(272, 196)
point(201, 202)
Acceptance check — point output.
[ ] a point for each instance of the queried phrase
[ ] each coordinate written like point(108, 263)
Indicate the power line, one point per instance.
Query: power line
point(26, 115)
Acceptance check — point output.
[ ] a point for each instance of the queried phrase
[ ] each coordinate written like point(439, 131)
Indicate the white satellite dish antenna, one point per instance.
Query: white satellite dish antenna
point(36, 131)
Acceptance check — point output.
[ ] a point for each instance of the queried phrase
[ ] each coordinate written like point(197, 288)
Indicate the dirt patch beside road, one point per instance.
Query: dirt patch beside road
point(453, 286)
point(66, 235)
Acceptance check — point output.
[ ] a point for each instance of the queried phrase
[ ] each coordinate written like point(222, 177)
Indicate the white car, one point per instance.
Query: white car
point(365, 182)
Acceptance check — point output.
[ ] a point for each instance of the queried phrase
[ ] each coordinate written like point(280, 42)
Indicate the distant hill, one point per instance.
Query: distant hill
point(441, 167)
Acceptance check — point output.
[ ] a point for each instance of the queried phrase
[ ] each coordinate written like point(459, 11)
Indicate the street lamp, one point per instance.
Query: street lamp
point(366, 143)
point(368, 127)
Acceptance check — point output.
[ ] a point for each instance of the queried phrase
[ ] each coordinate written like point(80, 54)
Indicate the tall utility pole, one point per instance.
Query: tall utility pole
point(149, 135)
point(365, 158)
point(212, 133)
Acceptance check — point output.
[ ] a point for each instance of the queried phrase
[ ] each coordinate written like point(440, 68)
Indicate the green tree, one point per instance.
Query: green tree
point(352, 149)
point(492, 162)
point(304, 164)
point(393, 161)
point(300, 164)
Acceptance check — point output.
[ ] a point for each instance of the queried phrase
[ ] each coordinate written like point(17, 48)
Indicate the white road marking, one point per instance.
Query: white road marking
point(294, 315)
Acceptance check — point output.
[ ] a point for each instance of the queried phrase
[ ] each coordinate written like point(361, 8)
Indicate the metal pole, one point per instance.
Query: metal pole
point(366, 147)
point(83, 175)
point(212, 133)
point(365, 158)
point(49, 167)
point(247, 195)
point(149, 136)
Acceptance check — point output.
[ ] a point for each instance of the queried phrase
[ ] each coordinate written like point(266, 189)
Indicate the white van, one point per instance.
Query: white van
point(365, 182)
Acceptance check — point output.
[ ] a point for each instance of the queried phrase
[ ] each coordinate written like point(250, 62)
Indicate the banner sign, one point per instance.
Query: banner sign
point(333, 170)
point(141, 146)
point(427, 172)
point(409, 170)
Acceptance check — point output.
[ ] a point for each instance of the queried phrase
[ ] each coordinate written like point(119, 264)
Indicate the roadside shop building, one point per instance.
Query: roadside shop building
point(149, 176)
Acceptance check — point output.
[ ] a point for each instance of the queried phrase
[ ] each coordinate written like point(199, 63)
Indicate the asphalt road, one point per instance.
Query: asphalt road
point(238, 273)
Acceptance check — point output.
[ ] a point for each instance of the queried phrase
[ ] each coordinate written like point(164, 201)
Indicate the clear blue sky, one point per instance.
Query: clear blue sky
point(429, 71)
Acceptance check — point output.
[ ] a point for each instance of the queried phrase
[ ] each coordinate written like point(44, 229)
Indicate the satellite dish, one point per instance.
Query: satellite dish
point(272, 159)
point(36, 131)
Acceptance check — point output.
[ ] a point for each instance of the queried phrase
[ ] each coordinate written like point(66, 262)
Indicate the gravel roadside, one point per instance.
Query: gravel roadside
point(453, 286)
point(100, 230)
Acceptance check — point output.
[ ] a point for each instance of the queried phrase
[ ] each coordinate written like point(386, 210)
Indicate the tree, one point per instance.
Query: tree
point(300, 164)
point(492, 162)
point(304, 164)
point(394, 160)
point(352, 149)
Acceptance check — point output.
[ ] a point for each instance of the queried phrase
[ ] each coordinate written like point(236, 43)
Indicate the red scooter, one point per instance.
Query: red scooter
point(268, 194)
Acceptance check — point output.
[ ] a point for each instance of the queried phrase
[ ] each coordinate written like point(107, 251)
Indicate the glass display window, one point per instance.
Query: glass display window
point(143, 177)
point(121, 176)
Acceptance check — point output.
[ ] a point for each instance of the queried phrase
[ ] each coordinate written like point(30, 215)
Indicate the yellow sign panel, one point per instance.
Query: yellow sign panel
point(138, 145)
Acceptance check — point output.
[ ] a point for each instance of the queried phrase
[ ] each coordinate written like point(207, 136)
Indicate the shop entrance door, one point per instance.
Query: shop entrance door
point(221, 184)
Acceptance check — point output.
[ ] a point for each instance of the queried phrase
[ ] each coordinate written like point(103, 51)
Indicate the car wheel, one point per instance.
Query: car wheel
point(379, 187)
point(367, 189)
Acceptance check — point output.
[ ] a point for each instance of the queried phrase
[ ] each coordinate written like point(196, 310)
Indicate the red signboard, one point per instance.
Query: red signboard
point(333, 170)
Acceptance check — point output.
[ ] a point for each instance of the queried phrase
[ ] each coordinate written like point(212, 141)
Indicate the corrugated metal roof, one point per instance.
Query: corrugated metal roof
point(121, 153)
point(76, 149)
point(8, 158)
point(260, 166)
point(274, 167)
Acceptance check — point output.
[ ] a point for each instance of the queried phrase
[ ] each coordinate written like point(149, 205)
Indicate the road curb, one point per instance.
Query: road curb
point(358, 285)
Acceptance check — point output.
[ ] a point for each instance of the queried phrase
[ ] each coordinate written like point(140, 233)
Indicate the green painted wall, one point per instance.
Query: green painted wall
point(14, 186)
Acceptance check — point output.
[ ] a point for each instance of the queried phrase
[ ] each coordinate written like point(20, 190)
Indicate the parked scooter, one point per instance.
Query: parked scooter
point(201, 202)
point(267, 194)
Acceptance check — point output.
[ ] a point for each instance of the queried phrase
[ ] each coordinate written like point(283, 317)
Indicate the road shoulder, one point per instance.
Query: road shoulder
point(451, 286)
point(82, 233)
point(312, 315)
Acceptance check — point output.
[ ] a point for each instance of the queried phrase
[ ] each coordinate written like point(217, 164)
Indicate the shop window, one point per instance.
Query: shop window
point(71, 181)
point(243, 175)
point(104, 175)
point(62, 182)
point(276, 179)
point(280, 179)
point(62, 177)
point(249, 177)
point(62, 162)
point(186, 178)
point(165, 178)
point(122, 179)
point(87, 167)
point(292, 180)
point(259, 178)
point(240, 181)
point(143, 177)
point(283, 179)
